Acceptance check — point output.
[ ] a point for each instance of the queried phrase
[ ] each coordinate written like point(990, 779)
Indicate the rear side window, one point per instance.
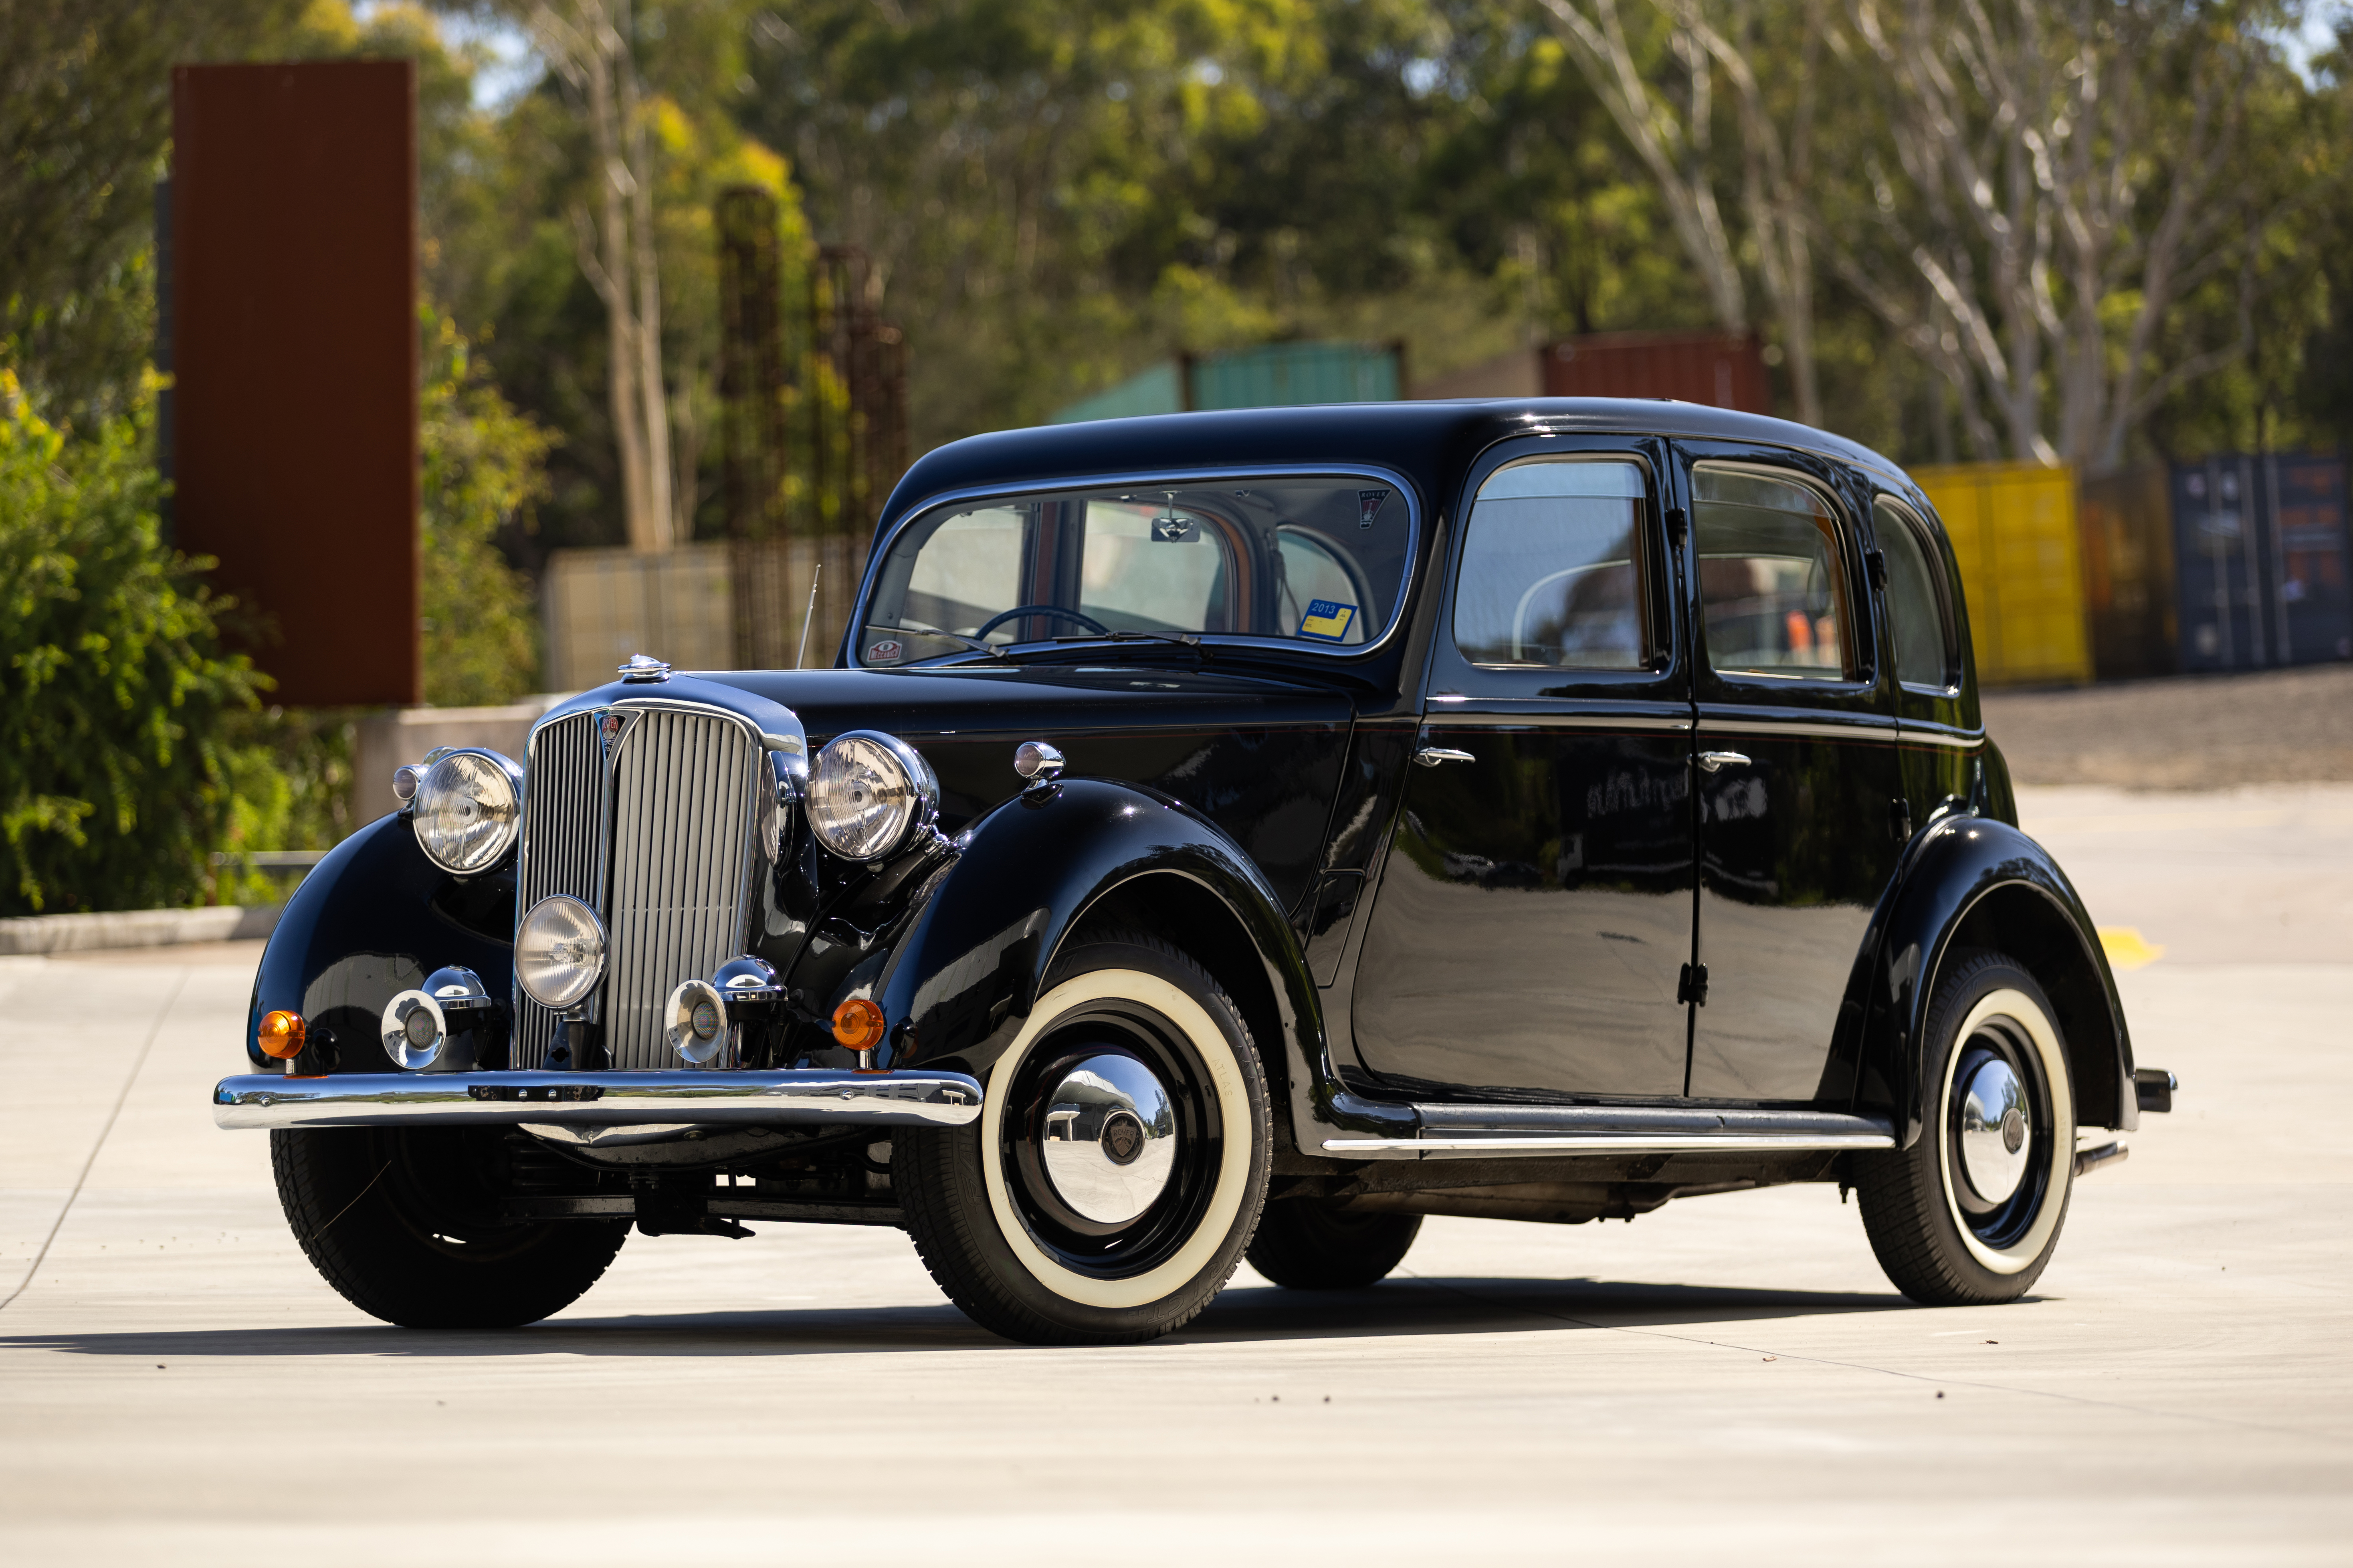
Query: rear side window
point(1553, 568)
point(1773, 596)
point(1917, 610)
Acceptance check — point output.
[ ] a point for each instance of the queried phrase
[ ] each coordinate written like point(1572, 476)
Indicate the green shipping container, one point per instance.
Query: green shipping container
point(1277, 375)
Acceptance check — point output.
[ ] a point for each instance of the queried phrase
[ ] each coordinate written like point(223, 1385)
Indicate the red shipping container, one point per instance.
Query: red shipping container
point(1719, 369)
point(294, 360)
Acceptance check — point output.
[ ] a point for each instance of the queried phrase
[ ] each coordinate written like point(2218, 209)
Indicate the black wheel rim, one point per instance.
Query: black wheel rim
point(1142, 1244)
point(2001, 1225)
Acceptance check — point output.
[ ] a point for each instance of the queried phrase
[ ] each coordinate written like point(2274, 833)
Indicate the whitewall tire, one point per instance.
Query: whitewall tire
point(1119, 1166)
point(1971, 1212)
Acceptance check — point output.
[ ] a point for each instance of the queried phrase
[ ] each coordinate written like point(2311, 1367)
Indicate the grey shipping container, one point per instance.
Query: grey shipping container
point(2261, 545)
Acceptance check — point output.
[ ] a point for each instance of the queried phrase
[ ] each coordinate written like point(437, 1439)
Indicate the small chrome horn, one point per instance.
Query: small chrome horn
point(417, 1024)
point(697, 1016)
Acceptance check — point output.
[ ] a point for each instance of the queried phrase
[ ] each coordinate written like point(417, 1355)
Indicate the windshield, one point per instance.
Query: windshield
point(1315, 561)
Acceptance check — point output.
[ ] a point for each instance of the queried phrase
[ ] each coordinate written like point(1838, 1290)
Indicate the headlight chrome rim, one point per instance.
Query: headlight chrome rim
point(868, 793)
point(560, 938)
point(466, 811)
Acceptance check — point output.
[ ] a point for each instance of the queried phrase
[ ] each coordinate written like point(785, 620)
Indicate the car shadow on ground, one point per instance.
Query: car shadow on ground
point(1403, 1306)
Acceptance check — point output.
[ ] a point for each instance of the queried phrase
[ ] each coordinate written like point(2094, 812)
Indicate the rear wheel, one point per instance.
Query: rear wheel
point(1970, 1214)
point(1119, 1164)
point(404, 1222)
point(1306, 1244)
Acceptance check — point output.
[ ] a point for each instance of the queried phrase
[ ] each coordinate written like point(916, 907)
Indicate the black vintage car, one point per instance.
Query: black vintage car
point(1229, 835)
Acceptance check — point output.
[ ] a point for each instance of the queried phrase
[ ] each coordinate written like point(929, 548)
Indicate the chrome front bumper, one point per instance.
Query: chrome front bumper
point(806, 1096)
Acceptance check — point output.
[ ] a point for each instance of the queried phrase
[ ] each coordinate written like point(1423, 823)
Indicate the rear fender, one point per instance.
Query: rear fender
point(1042, 865)
point(1975, 882)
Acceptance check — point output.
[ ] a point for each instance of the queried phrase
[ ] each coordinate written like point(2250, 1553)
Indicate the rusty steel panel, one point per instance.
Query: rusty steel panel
point(1718, 369)
point(294, 355)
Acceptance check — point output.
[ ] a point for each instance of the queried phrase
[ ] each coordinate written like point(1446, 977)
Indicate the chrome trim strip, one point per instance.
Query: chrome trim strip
point(1464, 1132)
point(1603, 1143)
point(1415, 565)
point(806, 1095)
point(1958, 739)
point(1871, 729)
point(1458, 718)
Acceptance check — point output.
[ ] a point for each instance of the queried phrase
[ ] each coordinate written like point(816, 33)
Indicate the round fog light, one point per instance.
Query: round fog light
point(697, 1018)
point(559, 951)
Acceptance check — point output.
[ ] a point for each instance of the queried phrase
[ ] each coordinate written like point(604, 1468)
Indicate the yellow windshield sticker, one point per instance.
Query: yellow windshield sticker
point(1327, 619)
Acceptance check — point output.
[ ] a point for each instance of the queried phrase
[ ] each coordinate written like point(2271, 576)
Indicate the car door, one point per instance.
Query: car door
point(1799, 781)
point(1534, 914)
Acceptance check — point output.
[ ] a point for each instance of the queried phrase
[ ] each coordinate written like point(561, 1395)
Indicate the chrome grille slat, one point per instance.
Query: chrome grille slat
point(681, 843)
point(563, 801)
point(658, 840)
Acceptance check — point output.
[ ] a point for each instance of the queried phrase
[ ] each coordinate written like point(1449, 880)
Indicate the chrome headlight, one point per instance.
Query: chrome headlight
point(868, 793)
point(559, 951)
point(468, 807)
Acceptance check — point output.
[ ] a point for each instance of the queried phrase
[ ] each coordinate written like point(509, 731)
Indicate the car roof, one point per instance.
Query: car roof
point(1430, 442)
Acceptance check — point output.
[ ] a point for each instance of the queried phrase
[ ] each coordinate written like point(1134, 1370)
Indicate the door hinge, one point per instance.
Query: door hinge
point(1693, 986)
point(1678, 521)
point(1899, 819)
point(1874, 562)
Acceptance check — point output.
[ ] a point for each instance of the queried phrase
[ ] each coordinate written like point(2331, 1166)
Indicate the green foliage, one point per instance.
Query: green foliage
point(85, 115)
point(115, 781)
point(483, 467)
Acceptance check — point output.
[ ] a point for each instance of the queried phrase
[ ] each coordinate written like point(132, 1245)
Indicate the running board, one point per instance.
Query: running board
point(1510, 1132)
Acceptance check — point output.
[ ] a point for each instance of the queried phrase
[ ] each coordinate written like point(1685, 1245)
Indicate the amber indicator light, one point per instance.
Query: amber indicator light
point(280, 1035)
point(857, 1023)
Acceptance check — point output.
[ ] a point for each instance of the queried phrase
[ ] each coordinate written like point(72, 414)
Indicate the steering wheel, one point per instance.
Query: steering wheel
point(1089, 622)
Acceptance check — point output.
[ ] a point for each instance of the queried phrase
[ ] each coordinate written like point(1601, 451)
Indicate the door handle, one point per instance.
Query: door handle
point(1711, 760)
point(1431, 756)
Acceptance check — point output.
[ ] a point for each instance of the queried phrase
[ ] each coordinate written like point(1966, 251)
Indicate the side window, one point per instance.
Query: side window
point(1308, 568)
point(1553, 568)
point(1773, 596)
point(967, 571)
point(1917, 609)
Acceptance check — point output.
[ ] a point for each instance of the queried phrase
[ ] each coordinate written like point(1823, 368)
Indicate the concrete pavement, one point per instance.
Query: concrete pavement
point(1728, 1379)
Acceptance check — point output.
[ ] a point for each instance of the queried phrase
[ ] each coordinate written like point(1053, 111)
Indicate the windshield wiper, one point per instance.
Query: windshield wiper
point(920, 630)
point(1183, 639)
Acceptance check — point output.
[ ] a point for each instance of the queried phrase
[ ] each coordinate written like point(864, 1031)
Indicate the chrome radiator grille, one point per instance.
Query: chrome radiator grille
point(683, 805)
point(562, 809)
point(658, 841)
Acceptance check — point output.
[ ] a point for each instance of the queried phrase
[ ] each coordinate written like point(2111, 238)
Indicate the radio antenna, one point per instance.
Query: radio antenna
point(801, 654)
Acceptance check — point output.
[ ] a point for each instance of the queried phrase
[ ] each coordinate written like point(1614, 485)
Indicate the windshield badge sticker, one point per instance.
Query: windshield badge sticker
point(887, 650)
point(1369, 506)
point(1328, 619)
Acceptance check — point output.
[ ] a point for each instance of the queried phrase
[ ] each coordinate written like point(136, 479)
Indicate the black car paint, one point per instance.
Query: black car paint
point(1276, 780)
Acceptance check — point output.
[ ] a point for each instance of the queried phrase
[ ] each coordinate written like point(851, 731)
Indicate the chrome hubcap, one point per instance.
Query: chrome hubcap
point(1110, 1139)
point(1996, 1139)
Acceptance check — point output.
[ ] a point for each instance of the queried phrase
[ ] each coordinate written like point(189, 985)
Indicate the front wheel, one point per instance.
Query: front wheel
point(1119, 1164)
point(1970, 1214)
point(403, 1221)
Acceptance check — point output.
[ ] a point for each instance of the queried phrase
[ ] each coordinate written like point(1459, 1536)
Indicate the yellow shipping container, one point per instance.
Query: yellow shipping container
point(2013, 529)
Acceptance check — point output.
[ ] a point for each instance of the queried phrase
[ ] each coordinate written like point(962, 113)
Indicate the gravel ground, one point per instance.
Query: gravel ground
point(2208, 731)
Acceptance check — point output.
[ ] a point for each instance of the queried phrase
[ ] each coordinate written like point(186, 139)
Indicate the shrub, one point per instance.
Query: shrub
point(116, 785)
point(483, 467)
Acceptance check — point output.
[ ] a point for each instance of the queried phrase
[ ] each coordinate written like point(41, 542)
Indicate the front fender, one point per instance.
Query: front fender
point(976, 956)
point(1974, 881)
point(371, 920)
